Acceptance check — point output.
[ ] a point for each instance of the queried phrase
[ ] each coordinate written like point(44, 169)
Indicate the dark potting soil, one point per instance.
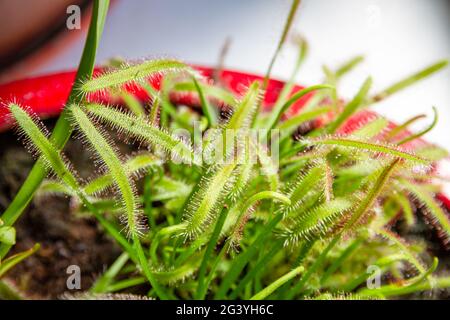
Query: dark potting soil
point(67, 239)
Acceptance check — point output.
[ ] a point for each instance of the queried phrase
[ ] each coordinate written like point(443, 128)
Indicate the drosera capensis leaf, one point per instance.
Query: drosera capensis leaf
point(106, 152)
point(372, 195)
point(411, 257)
point(300, 187)
point(36, 138)
point(237, 215)
point(357, 143)
point(206, 202)
point(363, 206)
point(51, 157)
point(146, 132)
point(172, 276)
point(133, 166)
point(243, 115)
point(317, 222)
point(131, 73)
point(244, 176)
point(124, 185)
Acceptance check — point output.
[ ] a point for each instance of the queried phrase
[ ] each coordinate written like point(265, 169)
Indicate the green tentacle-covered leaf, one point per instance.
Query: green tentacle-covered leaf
point(141, 129)
point(316, 222)
point(207, 200)
point(344, 296)
point(244, 177)
point(359, 144)
point(134, 166)
point(305, 183)
point(239, 214)
point(131, 73)
point(243, 115)
point(410, 256)
point(125, 187)
point(108, 155)
point(35, 136)
point(376, 188)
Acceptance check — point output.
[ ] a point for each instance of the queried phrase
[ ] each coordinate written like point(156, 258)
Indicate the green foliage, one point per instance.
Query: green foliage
point(304, 223)
point(131, 73)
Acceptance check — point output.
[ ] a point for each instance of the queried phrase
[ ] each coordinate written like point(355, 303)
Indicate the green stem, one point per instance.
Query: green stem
point(202, 288)
point(267, 291)
point(240, 262)
point(146, 269)
point(287, 26)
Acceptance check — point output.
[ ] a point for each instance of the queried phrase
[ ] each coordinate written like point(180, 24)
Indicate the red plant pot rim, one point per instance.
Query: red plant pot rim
point(46, 96)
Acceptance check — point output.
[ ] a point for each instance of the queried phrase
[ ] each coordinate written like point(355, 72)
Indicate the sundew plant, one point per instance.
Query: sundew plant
point(229, 198)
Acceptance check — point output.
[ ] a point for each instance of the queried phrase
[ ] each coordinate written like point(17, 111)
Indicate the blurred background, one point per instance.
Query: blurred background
point(396, 37)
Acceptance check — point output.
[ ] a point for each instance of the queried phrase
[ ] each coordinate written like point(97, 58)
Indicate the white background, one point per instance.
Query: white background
point(396, 36)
